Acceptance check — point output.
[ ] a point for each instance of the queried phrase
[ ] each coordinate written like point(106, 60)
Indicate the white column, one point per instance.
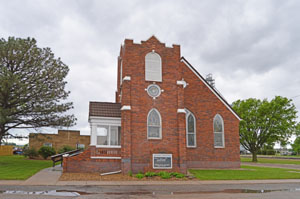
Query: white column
point(93, 135)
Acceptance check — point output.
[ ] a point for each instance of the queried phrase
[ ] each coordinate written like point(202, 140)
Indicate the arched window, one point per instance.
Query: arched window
point(153, 67)
point(218, 132)
point(190, 130)
point(154, 124)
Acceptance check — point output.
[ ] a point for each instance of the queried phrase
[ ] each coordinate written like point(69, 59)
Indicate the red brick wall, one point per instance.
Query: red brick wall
point(205, 105)
point(83, 163)
point(134, 66)
point(196, 97)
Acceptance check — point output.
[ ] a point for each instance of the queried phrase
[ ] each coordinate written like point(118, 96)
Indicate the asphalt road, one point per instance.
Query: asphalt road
point(218, 191)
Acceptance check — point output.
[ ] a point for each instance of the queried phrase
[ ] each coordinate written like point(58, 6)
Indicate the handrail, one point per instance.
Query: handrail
point(59, 157)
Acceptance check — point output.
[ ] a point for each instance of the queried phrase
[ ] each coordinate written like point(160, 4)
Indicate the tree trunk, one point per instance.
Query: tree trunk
point(254, 156)
point(1, 135)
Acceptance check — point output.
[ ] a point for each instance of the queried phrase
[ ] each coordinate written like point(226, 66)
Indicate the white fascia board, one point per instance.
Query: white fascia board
point(213, 91)
point(105, 121)
point(126, 108)
point(104, 157)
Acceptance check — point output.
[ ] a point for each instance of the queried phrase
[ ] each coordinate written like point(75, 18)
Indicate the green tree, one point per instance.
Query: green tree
point(296, 145)
point(32, 87)
point(46, 151)
point(265, 122)
point(65, 148)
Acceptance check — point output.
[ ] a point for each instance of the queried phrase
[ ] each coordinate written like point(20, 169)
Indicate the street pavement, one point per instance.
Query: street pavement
point(224, 191)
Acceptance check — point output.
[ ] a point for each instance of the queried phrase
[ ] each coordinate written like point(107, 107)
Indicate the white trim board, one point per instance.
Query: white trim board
point(104, 157)
point(212, 90)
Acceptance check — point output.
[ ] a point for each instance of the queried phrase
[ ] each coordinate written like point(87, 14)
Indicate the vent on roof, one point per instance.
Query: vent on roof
point(210, 80)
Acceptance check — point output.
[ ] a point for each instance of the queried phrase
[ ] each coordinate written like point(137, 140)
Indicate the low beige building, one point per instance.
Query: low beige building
point(57, 141)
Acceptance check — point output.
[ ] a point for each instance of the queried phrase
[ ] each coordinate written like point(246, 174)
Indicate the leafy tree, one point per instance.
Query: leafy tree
point(65, 148)
point(265, 122)
point(30, 152)
point(32, 87)
point(46, 151)
point(296, 145)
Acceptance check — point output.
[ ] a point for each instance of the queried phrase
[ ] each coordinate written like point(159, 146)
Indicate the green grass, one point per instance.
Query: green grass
point(272, 161)
point(20, 168)
point(249, 173)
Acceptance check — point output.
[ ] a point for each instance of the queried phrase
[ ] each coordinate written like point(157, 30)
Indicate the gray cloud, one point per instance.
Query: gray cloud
point(251, 47)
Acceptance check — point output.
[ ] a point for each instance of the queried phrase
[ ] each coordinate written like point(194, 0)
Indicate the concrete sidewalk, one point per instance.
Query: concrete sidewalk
point(282, 166)
point(48, 176)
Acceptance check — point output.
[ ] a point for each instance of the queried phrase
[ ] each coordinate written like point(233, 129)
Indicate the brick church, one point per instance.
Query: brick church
point(166, 117)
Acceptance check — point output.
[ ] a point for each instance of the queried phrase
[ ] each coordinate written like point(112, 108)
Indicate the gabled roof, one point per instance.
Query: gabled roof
point(210, 87)
point(105, 109)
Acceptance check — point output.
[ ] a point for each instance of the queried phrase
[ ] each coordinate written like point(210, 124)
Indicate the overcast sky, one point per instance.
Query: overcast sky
point(252, 48)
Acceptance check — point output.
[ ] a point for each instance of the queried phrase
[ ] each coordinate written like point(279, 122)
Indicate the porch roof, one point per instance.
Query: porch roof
point(105, 109)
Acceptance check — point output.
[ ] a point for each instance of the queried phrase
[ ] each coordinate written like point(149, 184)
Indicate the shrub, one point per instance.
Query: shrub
point(130, 173)
point(139, 175)
point(180, 175)
point(177, 175)
point(30, 152)
point(150, 174)
point(65, 148)
point(46, 151)
point(165, 175)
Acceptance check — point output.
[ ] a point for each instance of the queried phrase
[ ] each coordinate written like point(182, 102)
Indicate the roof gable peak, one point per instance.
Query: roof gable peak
point(153, 39)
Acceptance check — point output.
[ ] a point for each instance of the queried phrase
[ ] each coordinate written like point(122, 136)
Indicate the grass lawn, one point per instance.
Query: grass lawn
point(20, 168)
point(272, 161)
point(250, 173)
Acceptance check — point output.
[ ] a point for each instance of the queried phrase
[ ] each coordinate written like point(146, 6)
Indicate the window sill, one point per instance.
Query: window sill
point(191, 147)
point(106, 146)
point(219, 147)
point(154, 138)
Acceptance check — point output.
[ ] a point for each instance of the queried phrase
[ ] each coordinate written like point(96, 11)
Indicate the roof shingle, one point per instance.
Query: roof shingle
point(105, 109)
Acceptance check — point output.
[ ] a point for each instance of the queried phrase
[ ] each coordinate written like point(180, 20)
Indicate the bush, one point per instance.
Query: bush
point(130, 173)
point(165, 175)
point(177, 175)
point(150, 174)
point(65, 148)
point(30, 152)
point(180, 175)
point(139, 175)
point(46, 151)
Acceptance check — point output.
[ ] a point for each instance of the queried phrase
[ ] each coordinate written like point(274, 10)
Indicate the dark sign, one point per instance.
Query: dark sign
point(162, 161)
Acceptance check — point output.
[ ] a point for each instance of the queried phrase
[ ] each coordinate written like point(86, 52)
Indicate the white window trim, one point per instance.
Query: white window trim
point(48, 144)
point(223, 132)
point(159, 90)
point(160, 129)
point(187, 132)
point(153, 52)
point(96, 121)
point(108, 140)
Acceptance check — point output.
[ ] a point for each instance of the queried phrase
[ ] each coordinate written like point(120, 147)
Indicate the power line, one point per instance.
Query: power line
point(295, 96)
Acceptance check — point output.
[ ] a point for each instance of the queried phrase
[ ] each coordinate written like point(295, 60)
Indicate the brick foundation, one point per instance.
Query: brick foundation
point(83, 163)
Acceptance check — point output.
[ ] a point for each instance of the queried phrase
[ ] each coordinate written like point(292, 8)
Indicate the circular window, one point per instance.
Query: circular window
point(153, 90)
